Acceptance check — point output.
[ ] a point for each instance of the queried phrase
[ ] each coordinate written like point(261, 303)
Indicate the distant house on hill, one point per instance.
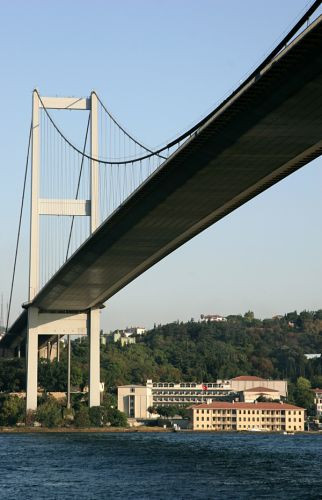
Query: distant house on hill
point(212, 317)
point(313, 356)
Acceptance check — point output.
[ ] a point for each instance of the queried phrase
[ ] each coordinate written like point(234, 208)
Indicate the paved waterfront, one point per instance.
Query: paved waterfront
point(160, 466)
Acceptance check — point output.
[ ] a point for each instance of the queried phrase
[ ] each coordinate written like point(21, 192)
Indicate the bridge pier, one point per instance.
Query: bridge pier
point(32, 359)
point(60, 324)
point(94, 357)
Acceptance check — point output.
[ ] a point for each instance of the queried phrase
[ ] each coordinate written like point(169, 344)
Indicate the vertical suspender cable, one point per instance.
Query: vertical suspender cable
point(78, 186)
point(19, 229)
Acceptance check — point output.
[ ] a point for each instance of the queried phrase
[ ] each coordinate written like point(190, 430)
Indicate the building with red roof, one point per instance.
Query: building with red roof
point(236, 416)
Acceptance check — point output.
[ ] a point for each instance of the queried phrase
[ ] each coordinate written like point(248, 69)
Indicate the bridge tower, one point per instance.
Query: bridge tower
point(66, 322)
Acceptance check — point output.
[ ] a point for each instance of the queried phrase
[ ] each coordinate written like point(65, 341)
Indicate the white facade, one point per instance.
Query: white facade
point(313, 356)
point(167, 393)
point(134, 400)
point(318, 401)
point(212, 317)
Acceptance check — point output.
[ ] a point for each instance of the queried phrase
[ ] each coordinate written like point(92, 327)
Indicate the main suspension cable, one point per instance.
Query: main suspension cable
point(123, 130)
point(19, 229)
point(89, 157)
point(197, 126)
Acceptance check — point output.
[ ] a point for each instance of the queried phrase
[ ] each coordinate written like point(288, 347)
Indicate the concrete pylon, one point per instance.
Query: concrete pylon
point(94, 357)
point(65, 322)
point(32, 360)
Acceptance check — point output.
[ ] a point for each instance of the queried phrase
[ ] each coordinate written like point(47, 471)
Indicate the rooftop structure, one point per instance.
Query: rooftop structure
point(244, 382)
point(247, 377)
point(251, 395)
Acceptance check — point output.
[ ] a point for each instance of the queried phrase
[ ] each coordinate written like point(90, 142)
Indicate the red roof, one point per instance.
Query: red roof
point(260, 389)
point(247, 377)
point(317, 390)
point(225, 405)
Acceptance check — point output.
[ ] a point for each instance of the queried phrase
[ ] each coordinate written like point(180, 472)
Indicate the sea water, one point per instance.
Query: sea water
point(160, 466)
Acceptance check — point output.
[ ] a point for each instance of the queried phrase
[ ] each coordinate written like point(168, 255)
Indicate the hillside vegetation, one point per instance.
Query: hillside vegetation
point(193, 351)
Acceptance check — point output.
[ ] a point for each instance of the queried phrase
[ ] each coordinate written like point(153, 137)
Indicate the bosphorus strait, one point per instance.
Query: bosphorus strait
point(159, 466)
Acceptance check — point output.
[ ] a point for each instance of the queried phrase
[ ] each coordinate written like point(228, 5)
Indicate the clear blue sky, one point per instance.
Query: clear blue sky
point(159, 66)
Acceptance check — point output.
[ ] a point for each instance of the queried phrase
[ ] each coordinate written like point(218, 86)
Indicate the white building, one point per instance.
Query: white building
point(313, 356)
point(155, 394)
point(318, 401)
point(134, 400)
point(212, 317)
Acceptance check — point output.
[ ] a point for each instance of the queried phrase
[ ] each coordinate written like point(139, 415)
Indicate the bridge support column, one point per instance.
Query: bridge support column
point(94, 357)
point(32, 359)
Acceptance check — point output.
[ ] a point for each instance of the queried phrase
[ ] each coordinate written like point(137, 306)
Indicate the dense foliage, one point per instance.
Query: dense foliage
point(194, 351)
point(205, 351)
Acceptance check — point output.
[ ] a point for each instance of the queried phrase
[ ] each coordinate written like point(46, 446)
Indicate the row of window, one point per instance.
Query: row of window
point(249, 419)
point(171, 400)
point(197, 392)
point(160, 384)
point(252, 412)
point(211, 385)
point(244, 426)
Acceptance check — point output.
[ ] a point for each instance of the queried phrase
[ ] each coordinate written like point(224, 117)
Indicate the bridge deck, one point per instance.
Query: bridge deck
point(266, 131)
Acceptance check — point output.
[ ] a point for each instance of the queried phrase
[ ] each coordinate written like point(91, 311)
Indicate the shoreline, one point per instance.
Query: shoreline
point(40, 430)
point(130, 430)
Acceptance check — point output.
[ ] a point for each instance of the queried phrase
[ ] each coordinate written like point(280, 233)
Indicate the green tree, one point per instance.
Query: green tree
point(249, 316)
point(115, 418)
point(12, 375)
point(97, 416)
point(49, 413)
point(12, 410)
point(167, 411)
point(82, 417)
point(303, 394)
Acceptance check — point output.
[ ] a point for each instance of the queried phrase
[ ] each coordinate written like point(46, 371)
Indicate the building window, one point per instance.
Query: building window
point(131, 406)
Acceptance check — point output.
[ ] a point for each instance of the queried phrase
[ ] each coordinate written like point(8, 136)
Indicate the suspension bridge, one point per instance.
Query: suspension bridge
point(104, 212)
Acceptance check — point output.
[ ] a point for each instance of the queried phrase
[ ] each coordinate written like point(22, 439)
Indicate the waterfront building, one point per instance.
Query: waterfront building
point(134, 400)
point(318, 402)
point(187, 393)
point(236, 416)
point(183, 393)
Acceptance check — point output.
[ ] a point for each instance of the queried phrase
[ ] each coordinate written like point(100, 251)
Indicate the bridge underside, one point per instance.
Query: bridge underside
point(268, 130)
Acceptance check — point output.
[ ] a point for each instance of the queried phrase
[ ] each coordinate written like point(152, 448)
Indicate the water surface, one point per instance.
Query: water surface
point(160, 466)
